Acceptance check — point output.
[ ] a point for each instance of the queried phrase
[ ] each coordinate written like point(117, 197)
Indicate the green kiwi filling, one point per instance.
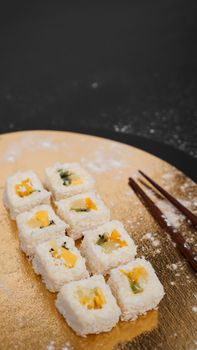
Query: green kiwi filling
point(135, 287)
point(66, 176)
point(102, 239)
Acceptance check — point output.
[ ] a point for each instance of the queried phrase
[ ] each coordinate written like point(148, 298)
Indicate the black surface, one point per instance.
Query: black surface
point(129, 66)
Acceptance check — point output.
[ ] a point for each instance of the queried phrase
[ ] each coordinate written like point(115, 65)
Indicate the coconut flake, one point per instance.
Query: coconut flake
point(51, 346)
point(67, 346)
point(194, 308)
point(172, 267)
point(173, 217)
point(151, 237)
point(104, 159)
point(156, 243)
point(122, 128)
point(32, 143)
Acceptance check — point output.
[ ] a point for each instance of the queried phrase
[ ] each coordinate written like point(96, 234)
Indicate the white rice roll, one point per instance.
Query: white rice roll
point(38, 225)
point(88, 306)
point(136, 288)
point(67, 179)
point(106, 247)
point(83, 212)
point(23, 191)
point(59, 262)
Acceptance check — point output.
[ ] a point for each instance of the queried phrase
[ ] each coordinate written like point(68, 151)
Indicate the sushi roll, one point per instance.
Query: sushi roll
point(136, 288)
point(66, 180)
point(24, 191)
point(59, 262)
point(82, 212)
point(106, 247)
point(88, 306)
point(38, 225)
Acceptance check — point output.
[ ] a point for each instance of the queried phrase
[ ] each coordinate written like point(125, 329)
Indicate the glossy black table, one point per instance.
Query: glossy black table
point(124, 66)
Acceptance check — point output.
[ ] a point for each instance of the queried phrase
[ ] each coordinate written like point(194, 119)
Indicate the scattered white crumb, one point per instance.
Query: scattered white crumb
point(167, 176)
point(148, 236)
point(185, 202)
point(172, 267)
point(176, 268)
point(94, 85)
point(186, 245)
point(194, 308)
point(135, 176)
point(151, 237)
point(104, 159)
point(66, 346)
point(172, 283)
point(51, 346)
point(157, 251)
point(156, 243)
point(173, 217)
point(195, 202)
point(32, 143)
point(190, 239)
point(112, 204)
point(4, 288)
point(188, 183)
point(10, 158)
point(130, 192)
point(184, 186)
point(122, 128)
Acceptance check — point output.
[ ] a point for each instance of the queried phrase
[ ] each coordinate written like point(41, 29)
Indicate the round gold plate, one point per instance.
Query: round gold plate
point(28, 318)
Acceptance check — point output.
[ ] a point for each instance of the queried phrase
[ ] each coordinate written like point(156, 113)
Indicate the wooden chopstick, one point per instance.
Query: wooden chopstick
point(189, 215)
point(187, 251)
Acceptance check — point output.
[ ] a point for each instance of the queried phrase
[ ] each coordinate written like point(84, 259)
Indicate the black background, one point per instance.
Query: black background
point(123, 66)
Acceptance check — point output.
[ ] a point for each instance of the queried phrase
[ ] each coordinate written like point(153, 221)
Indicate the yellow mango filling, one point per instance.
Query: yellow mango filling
point(76, 180)
point(90, 204)
point(40, 219)
point(83, 205)
point(92, 298)
point(69, 258)
point(111, 242)
point(136, 277)
point(24, 188)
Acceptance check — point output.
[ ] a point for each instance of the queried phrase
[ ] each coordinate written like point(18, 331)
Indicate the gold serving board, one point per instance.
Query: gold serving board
point(28, 317)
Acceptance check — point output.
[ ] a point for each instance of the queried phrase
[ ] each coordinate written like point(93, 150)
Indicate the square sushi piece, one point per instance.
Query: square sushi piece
point(83, 212)
point(59, 262)
point(88, 306)
point(24, 191)
point(106, 247)
point(38, 225)
point(136, 288)
point(68, 179)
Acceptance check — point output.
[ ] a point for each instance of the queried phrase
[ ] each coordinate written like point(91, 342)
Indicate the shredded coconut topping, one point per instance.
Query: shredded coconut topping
point(194, 308)
point(104, 159)
point(51, 346)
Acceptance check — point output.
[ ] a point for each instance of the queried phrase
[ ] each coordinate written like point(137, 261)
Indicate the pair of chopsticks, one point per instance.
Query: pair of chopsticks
point(185, 248)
